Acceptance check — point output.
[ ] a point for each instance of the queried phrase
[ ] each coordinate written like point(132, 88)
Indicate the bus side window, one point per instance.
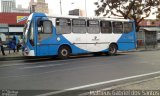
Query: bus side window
point(93, 26)
point(117, 27)
point(44, 29)
point(106, 27)
point(47, 27)
point(128, 27)
point(79, 26)
point(63, 26)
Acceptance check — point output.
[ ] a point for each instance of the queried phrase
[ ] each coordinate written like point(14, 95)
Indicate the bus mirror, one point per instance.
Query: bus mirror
point(47, 26)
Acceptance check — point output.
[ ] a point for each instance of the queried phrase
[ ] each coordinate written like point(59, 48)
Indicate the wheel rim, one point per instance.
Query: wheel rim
point(112, 49)
point(64, 52)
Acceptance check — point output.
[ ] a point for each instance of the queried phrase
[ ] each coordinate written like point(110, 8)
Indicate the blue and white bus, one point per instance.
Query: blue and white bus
point(64, 36)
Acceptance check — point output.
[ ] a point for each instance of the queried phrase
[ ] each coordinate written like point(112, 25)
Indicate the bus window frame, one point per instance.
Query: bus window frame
point(25, 30)
point(111, 27)
point(31, 27)
point(79, 24)
point(67, 24)
point(51, 32)
point(92, 26)
point(124, 27)
point(41, 33)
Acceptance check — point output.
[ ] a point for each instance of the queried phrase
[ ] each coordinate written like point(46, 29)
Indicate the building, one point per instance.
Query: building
point(43, 1)
point(149, 23)
point(149, 32)
point(7, 5)
point(19, 9)
point(32, 5)
point(76, 12)
point(12, 26)
point(39, 6)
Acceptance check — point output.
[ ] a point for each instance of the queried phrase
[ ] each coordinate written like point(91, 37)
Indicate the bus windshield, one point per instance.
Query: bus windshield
point(26, 28)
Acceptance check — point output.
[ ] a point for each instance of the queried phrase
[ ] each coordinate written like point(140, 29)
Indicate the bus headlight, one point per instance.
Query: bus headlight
point(26, 51)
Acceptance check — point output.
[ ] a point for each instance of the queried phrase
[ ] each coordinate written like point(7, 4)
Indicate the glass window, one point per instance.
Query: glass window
point(47, 27)
point(106, 27)
point(79, 26)
point(93, 26)
point(63, 26)
point(128, 27)
point(31, 34)
point(25, 33)
point(44, 29)
point(117, 27)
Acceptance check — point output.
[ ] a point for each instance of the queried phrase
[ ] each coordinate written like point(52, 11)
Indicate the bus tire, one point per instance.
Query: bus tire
point(112, 49)
point(64, 52)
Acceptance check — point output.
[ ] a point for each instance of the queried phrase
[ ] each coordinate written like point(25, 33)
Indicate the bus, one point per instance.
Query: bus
point(70, 35)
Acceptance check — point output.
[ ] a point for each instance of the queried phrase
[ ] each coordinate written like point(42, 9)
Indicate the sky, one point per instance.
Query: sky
point(54, 6)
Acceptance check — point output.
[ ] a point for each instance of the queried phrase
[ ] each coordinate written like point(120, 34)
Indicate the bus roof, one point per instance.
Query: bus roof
point(82, 17)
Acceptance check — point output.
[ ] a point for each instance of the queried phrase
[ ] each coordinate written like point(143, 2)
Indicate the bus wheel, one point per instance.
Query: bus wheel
point(64, 52)
point(112, 50)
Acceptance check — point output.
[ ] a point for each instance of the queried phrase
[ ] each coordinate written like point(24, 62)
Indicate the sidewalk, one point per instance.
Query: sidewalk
point(11, 55)
point(147, 84)
point(147, 87)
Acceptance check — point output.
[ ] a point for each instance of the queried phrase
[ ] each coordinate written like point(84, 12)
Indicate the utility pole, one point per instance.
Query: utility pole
point(86, 8)
point(60, 7)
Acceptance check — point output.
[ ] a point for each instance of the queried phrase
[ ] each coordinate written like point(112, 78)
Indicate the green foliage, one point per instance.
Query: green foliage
point(128, 9)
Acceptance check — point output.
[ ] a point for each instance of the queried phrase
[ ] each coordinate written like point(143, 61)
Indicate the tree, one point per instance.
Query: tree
point(158, 14)
point(128, 9)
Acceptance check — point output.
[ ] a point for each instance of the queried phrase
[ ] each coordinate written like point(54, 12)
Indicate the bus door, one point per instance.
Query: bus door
point(44, 36)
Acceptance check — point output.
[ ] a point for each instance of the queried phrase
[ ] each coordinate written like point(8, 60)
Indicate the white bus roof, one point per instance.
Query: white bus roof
point(94, 18)
point(91, 18)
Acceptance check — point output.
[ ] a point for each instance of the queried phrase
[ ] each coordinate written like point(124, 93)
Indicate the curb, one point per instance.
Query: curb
point(142, 50)
point(132, 83)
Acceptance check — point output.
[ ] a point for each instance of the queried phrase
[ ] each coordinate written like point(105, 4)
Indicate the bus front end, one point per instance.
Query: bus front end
point(37, 35)
point(28, 42)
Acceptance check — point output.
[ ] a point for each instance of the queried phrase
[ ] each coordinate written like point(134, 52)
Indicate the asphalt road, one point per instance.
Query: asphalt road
point(54, 74)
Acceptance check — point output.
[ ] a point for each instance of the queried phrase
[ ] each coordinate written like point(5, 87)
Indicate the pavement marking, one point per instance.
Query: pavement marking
point(97, 84)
